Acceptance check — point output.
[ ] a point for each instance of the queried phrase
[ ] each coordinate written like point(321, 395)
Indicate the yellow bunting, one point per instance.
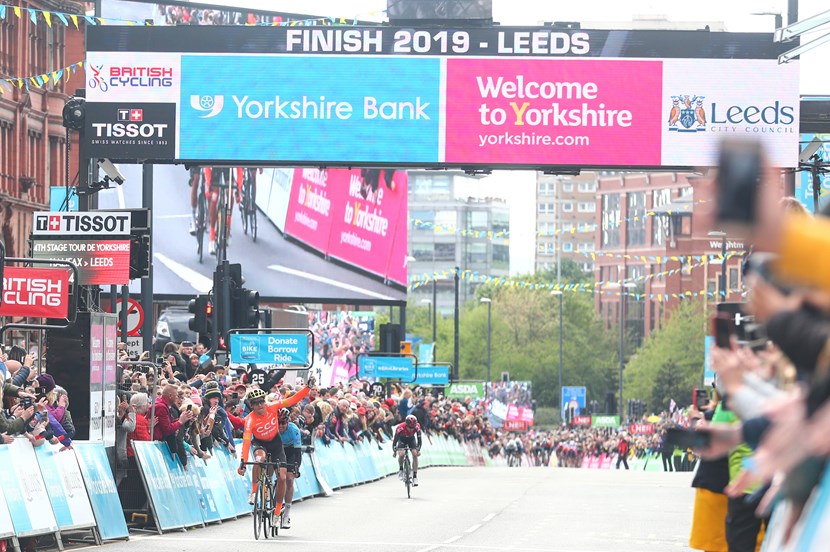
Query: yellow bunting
point(17, 12)
point(74, 19)
point(48, 17)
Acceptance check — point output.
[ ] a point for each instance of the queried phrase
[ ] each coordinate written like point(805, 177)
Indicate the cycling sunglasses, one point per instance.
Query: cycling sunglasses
point(258, 401)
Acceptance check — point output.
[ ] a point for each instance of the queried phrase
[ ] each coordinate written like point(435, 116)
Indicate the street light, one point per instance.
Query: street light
point(623, 294)
point(722, 283)
point(428, 303)
point(489, 302)
point(559, 293)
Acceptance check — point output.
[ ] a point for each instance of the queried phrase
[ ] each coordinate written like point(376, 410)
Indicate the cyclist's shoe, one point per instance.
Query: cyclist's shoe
point(212, 247)
point(251, 498)
point(415, 481)
point(192, 229)
point(400, 475)
point(286, 522)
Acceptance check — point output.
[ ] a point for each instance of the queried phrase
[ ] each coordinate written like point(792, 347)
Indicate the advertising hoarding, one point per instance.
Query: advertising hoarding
point(99, 262)
point(284, 349)
point(376, 367)
point(35, 292)
point(496, 97)
point(510, 401)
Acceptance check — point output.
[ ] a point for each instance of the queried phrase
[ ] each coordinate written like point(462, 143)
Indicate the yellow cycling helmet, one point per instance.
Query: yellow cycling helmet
point(255, 395)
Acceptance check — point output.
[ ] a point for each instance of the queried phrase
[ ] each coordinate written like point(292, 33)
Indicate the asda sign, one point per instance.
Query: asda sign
point(605, 421)
point(462, 390)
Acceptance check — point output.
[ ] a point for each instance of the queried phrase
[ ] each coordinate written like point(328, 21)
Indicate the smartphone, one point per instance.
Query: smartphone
point(158, 359)
point(700, 398)
point(25, 402)
point(723, 329)
point(190, 407)
point(221, 359)
point(688, 438)
point(739, 174)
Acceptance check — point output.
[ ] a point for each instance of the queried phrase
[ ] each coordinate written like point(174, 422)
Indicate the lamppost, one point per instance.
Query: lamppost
point(722, 281)
point(489, 303)
point(559, 293)
point(428, 303)
point(623, 294)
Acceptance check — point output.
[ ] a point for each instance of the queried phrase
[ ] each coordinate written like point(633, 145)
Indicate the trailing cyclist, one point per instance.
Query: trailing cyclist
point(262, 430)
point(219, 179)
point(408, 434)
point(292, 442)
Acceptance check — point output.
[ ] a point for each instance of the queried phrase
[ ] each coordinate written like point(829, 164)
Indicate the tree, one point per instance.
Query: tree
point(677, 351)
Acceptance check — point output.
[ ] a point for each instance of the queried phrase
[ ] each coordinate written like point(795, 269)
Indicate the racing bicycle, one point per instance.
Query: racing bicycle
point(247, 205)
point(265, 522)
point(201, 217)
point(407, 470)
point(224, 210)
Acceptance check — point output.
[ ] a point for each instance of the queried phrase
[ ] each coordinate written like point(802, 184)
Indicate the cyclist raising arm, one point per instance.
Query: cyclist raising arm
point(262, 429)
point(408, 434)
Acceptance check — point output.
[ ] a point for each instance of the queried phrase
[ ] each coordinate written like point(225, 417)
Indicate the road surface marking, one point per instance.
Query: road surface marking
point(475, 527)
point(452, 539)
point(488, 517)
point(328, 281)
point(199, 282)
point(122, 203)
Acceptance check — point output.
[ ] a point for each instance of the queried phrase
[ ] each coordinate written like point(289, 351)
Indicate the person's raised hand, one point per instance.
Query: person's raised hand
point(7, 439)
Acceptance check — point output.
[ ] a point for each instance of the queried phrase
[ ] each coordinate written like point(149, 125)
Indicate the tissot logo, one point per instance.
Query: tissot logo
point(101, 223)
point(131, 115)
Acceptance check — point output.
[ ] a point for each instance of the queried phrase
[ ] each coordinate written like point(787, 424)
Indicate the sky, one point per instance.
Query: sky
point(737, 15)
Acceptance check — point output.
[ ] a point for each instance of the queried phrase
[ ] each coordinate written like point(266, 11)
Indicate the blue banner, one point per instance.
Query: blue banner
point(433, 375)
point(378, 367)
point(213, 481)
point(62, 476)
point(58, 201)
point(426, 352)
point(284, 348)
point(362, 110)
point(165, 500)
point(103, 496)
point(186, 497)
point(574, 398)
point(708, 372)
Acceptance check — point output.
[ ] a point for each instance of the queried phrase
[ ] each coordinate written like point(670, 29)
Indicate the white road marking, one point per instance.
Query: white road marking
point(199, 282)
point(328, 281)
point(122, 203)
point(170, 217)
point(488, 517)
point(475, 527)
point(452, 539)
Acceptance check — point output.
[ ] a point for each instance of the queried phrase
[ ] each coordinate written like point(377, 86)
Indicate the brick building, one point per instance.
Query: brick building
point(651, 223)
point(32, 136)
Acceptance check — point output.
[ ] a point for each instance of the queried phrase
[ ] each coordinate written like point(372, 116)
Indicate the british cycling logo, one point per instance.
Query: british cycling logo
point(689, 112)
point(211, 106)
point(129, 76)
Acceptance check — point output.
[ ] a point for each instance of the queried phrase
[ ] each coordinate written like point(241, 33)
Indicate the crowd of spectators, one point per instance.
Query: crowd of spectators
point(184, 15)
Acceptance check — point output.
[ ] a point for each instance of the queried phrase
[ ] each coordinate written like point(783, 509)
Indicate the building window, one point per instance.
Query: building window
point(501, 257)
point(636, 221)
point(476, 254)
point(586, 246)
point(545, 188)
point(567, 207)
point(611, 220)
point(660, 224)
point(501, 221)
point(8, 47)
point(588, 187)
point(477, 220)
point(567, 186)
point(587, 207)
point(445, 252)
point(422, 251)
point(421, 220)
point(734, 280)
point(567, 247)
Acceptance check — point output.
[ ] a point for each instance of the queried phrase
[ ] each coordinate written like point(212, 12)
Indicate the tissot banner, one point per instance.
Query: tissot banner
point(510, 97)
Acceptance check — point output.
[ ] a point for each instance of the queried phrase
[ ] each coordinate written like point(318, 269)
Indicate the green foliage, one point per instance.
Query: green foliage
point(670, 362)
point(525, 339)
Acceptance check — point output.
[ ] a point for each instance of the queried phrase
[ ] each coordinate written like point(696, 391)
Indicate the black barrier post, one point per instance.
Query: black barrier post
point(125, 310)
point(147, 283)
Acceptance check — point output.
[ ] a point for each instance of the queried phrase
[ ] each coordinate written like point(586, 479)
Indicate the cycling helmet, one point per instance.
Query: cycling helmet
point(283, 414)
point(255, 395)
point(411, 420)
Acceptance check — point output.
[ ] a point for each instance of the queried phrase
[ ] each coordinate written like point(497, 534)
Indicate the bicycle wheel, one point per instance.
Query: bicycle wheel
point(407, 479)
point(201, 213)
point(252, 222)
point(259, 507)
point(243, 207)
point(274, 520)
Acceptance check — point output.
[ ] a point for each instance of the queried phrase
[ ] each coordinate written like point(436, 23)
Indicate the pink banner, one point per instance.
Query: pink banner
point(520, 414)
point(309, 214)
point(368, 205)
point(358, 216)
point(556, 112)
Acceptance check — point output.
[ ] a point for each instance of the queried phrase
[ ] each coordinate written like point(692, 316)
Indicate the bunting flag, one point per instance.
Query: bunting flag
point(62, 17)
point(52, 78)
point(601, 288)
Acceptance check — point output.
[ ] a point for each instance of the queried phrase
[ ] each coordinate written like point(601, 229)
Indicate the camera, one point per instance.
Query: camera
point(111, 171)
point(26, 402)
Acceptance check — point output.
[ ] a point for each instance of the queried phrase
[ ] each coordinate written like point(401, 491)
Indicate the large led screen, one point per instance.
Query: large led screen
point(494, 97)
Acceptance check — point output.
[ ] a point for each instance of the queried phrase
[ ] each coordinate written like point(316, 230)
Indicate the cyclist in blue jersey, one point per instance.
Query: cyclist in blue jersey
point(292, 442)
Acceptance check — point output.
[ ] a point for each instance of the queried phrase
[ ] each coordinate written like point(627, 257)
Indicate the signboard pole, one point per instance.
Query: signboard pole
point(147, 283)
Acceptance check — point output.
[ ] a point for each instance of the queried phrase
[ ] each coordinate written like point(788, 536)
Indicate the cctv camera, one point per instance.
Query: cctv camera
point(111, 171)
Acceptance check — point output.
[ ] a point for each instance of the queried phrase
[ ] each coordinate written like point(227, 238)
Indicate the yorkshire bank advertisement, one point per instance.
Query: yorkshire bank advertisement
point(509, 97)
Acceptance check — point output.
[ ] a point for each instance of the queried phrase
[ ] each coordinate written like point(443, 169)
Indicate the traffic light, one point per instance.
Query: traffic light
point(198, 308)
point(247, 309)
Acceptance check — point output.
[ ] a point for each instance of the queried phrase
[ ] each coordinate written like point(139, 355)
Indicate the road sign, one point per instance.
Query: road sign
point(135, 317)
point(135, 346)
point(283, 348)
point(573, 398)
point(386, 367)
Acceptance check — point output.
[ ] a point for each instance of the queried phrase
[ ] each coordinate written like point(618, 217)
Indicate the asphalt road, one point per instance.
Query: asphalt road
point(473, 509)
point(274, 266)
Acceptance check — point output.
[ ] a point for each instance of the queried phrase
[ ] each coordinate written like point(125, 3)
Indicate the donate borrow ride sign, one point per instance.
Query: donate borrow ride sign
point(290, 349)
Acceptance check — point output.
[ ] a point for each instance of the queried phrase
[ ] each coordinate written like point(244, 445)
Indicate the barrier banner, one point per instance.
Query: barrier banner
point(238, 486)
point(24, 490)
point(325, 488)
point(100, 485)
point(213, 479)
point(62, 476)
point(182, 488)
point(197, 471)
point(163, 497)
